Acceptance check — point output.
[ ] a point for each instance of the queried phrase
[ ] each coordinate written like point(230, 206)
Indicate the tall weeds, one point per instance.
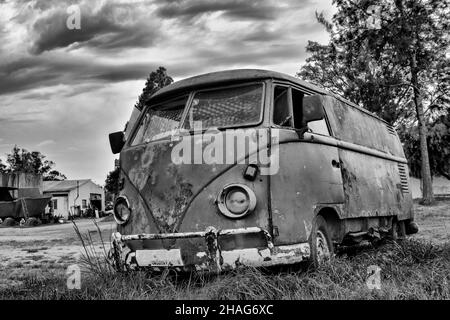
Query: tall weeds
point(92, 259)
point(410, 269)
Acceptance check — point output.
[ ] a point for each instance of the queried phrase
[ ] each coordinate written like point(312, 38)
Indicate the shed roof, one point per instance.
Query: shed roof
point(63, 186)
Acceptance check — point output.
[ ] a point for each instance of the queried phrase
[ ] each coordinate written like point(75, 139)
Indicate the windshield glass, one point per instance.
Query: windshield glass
point(225, 107)
point(160, 122)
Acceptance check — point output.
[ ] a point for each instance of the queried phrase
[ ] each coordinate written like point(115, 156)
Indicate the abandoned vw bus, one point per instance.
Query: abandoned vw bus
point(253, 167)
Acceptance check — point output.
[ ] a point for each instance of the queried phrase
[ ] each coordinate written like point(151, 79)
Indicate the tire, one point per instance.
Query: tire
point(397, 231)
point(32, 222)
point(9, 222)
point(393, 232)
point(320, 244)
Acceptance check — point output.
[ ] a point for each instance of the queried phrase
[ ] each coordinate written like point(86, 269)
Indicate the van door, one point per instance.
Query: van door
point(308, 175)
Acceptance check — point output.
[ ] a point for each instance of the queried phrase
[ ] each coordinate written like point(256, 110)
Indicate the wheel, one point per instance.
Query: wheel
point(397, 231)
point(402, 230)
point(32, 222)
point(393, 232)
point(9, 222)
point(320, 243)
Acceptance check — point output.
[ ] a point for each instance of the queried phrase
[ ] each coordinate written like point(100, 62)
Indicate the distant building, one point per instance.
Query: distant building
point(73, 197)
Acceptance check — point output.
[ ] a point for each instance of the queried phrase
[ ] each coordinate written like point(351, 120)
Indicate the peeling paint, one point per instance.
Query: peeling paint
point(308, 228)
point(214, 259)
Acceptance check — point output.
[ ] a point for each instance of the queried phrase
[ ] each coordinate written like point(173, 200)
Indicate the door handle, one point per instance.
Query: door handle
point(335, 164)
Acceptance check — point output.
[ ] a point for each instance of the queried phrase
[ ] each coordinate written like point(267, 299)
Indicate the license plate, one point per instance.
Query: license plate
point(159, 258)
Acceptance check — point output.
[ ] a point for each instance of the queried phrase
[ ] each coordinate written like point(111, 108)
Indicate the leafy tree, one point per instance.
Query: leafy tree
point(2, 166)
point(112, 181)
point(156, 80)
point(22, 160)
point(395, 68)
point(54, 175)
point(438, 145)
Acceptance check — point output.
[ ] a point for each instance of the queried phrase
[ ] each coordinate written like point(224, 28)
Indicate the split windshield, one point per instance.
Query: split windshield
point(225, 107)
point(219, 108)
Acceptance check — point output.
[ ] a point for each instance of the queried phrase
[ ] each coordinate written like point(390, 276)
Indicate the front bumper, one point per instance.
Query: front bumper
point(210, 258)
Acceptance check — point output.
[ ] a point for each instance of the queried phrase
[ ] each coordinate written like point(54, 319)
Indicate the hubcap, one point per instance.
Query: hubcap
point(323, 251)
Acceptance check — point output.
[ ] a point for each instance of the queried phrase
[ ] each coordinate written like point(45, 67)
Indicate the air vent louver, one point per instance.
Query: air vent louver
point(403, 177)
point(390, 129)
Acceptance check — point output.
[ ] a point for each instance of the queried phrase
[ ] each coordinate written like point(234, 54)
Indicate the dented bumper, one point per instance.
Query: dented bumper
point(209, 255)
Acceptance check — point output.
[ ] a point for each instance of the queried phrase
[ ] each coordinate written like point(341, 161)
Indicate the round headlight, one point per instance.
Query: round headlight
point(236, 201)
point(122, 210)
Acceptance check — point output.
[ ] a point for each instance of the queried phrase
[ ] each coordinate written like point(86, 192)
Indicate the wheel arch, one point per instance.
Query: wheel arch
point(334, 223)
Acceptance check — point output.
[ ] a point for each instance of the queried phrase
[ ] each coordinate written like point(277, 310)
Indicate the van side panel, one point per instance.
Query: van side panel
point(351, 125)
point(374, 186)
point(306, 178)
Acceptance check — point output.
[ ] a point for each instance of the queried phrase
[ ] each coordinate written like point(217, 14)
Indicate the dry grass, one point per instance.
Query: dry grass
point(415, 268)
point(412, 269)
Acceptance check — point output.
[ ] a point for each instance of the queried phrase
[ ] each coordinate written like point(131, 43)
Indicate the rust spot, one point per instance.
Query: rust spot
point(349, 182)
point(213, 249)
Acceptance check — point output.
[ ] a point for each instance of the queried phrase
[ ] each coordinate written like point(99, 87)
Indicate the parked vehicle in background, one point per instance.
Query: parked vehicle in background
point(254, 167)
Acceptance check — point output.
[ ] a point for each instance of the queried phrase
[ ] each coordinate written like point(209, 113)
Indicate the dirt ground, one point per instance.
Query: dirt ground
point(47, 250)
point(41, 250)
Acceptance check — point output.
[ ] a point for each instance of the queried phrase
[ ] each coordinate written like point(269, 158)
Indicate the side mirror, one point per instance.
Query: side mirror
point(116, 141)
point(312, 109)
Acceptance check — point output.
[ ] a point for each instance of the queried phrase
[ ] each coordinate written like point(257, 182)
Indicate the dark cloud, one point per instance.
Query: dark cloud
point(35, 72)
point(86, 74)
point(37, 96)
point(207, 60)
point(65, 92)
point(44, 4)
point(259, 33)
point(83, 88)
point(236, 9)
point(262, 35)
point(113, 26)
point(272, 54)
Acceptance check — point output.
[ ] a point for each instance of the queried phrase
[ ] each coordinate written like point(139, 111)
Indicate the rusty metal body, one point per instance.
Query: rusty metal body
point(356, 177)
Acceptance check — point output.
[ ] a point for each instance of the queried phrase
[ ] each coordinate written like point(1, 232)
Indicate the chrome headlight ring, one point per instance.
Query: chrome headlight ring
point(236, 201)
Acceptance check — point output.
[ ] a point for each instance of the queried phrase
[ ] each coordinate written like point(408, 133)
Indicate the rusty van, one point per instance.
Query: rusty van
point(254, 167)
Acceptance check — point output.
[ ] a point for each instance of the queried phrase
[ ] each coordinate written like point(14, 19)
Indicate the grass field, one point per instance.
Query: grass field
point(33, 266)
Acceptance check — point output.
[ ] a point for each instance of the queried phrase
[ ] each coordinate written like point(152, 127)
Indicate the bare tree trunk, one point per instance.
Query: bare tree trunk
point(427, 184)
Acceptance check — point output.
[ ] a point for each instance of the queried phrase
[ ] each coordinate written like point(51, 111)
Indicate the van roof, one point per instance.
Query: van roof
point(241, 75)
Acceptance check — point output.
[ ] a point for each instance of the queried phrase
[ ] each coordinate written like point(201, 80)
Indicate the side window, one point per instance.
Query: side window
point(281, 111)
point(297, 107)
point(130, 124)
point(160, 122)
point(319, 127)
point(311, 103)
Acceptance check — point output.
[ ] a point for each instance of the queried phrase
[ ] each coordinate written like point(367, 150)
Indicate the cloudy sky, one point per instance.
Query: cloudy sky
point(62, 91)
